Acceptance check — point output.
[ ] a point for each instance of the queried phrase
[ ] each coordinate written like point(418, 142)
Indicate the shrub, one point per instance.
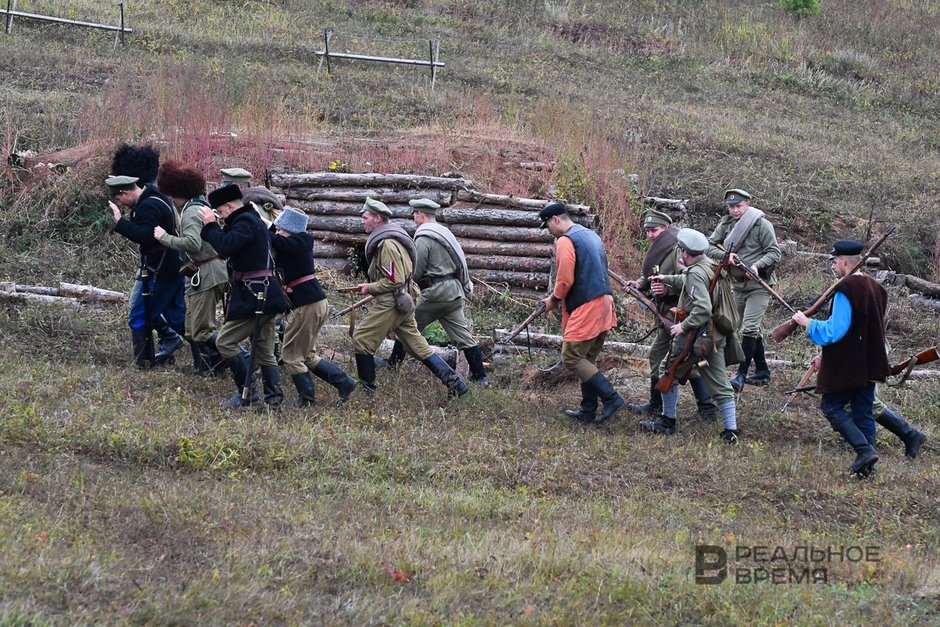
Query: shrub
point(803, 8)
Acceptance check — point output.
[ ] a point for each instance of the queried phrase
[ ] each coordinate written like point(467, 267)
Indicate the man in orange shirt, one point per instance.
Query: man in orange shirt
point(587, 314)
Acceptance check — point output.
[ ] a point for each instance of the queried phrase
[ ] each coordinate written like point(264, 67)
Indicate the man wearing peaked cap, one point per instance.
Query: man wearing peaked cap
point(846, 248)
point(662, 257)
point(294, 260)
point(582, 287)
point(391, 255)
point(264, 201)
point(157, 299)
point(748, 230)
point(694, 299)
point(441, 273)
point(238, 176)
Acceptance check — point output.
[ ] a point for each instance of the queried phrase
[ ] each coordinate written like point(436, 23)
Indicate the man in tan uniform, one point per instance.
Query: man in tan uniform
point(391, 255)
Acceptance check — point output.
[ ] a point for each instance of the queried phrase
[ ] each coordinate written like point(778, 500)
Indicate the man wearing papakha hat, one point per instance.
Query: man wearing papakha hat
point(853, 353)
point(157, 299)
point(755, 244)
point(205, 270)
point(391, 255)
point(692, 287)
point(441, 273)
point(255, 299)
point(583, 289)
point(662, 257)
point(294, 258)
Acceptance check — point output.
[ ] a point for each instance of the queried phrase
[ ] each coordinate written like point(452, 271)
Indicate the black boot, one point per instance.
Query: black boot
point(271, 385)
point(707, 410)
point(663, 425)
point(246, 393)
point(761, 374)
point(142, 345)
point(588, 410)
point(747, 345)
point(305, 390)
point(214, 360)
point(398, 355)
point(334, 375)
point(606, 393)
point(170, 341)
point(200, 367)
point(653, 406)
point(865, 456)
point(912, 438)
point(455, 385)
point(365, 368)
point(475, 361)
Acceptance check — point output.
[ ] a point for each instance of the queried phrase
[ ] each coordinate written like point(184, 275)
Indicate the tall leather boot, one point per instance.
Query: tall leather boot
point(142, 346)
point(865, 455)
point(271, 385)
point(306, 396)
point(747, 345)
point(912, 438)
point(365, 368)
point(653, 406)
point(245, 393)
point(612, 401)
point(588, 410)
point(212, 357)
point(761, 374)
point(475, 361)
point(200, 367)
point(455, 385)
point(334, 375)
point(707, 410)
point(398, 354)
point(170, 341)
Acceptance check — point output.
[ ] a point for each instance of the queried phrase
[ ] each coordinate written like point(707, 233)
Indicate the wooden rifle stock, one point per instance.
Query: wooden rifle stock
point(784, 330)
point(522, 325)
point(923, 357)
point(356, 305)
point(800, 387)
point(637, 294)
point(756, 278)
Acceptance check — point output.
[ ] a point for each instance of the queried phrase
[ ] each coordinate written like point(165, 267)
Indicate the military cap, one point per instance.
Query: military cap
point(224, 194)
point(654, 218)
point(847, 248)
point(292, 220)
point(734, 196)
point(377, 207)
point(118, 184)
point(553, 209)
point(235, 175)
point(424, 205)
point(691, 241)
point(262, 196)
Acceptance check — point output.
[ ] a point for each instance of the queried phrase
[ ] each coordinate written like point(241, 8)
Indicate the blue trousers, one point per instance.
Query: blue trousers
point(166, 299)
point(860, 401)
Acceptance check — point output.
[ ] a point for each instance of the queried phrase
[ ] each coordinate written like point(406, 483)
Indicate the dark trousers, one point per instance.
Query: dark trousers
point(166, 299)
point(860, 401)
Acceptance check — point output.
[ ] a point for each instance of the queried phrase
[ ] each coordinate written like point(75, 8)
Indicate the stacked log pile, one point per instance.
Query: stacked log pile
point(499, 234)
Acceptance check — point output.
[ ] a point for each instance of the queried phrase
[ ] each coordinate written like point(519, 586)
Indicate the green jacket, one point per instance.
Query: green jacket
point(434, 261)
point(669, 265)
point(692, 287)
point(196, 249)
point(391, 256)
point(759, 248)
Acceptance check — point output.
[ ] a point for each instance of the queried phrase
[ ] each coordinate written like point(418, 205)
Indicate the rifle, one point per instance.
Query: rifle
point(522, 325)
point(146, 292)
point(665, 382)
point(800, 387)
point(756, 278)
point(356, 305)
point(347, 290)
point(637, 294)
point(783, 331)
point(904, 368)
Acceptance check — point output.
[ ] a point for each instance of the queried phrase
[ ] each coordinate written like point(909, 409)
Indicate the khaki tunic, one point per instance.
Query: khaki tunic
point(660, 347)
point(443, 301)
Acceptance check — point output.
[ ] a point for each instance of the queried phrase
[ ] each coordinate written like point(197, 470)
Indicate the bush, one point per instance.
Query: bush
point(803, 8)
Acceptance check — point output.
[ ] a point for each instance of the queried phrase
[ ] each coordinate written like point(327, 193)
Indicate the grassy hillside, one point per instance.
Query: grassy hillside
point(129, 497)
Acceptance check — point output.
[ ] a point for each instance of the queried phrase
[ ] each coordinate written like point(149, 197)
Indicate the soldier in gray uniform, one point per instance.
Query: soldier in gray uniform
point(755, 244)
point(441, 273)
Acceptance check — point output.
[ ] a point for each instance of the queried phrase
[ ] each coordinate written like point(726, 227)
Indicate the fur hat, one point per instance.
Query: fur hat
point(292, 220)
point(178, 181)
point(224, 194)
point(140, 161)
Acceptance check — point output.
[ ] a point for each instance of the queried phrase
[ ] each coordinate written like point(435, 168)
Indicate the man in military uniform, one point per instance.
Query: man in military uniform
point(583, 289)
point(157, 299)
point(391, 255)
point(755, 244)
point(236, 176)
point(255, 298)
point(692, 287)
point(662, 257)
point(441, 273)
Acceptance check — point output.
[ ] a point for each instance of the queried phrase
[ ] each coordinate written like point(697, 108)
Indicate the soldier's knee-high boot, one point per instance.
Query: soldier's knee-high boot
point(455, 385)
point(200, 367)
point(761, 374)
point(214, 360)
point(271, 385)
point(170, 340)
point(608, 396)
point(588, 410)
point(398, 355)
point(142, 345)
point(245, 394)
point(747, 345)
point(306, 396)
point(912, 438)
point(865, 455)
point(706, 405)
point(334, 375)
point(365, 369)
point(654, 406)
point(475, 361)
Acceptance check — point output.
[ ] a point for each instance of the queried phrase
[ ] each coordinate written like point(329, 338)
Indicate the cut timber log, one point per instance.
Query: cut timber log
point(513, 249)
point(44, 298)
point(337, 264)
point(339, 179)
point(501, 233)
point(545, 340)
point(350, 224)
point(86, 293)
point(923, 286)
point(516, 264)
point(324, 250)
point(532, 204)
point(533, 280)
point(499, 217)
point(359, 194)
point(349, 239)
point(675, 204)
point(345, 208)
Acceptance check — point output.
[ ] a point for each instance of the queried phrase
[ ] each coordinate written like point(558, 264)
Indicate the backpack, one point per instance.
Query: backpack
point(725, 319)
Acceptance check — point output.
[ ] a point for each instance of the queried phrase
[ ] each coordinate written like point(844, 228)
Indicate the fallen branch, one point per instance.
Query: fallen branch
point(85, 293)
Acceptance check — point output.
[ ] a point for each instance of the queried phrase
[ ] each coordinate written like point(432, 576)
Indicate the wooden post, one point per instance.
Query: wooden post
point(434, 57)
point(11, 5)
point(327, 34)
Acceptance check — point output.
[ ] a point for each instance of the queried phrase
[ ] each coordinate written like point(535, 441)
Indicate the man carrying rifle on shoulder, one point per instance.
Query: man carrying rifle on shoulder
point(692, 286)
point(662, 257)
